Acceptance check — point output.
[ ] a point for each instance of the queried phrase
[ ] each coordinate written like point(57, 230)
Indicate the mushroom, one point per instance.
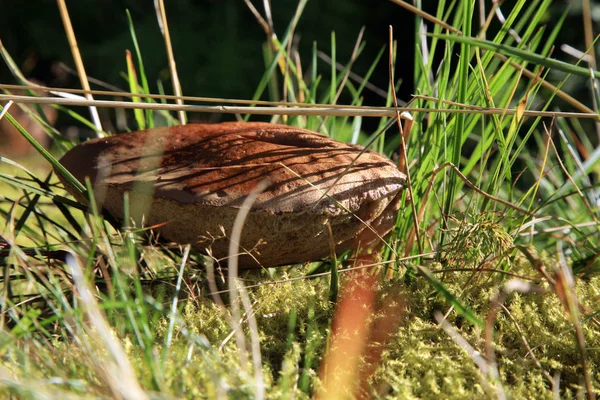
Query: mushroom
point(190, 181)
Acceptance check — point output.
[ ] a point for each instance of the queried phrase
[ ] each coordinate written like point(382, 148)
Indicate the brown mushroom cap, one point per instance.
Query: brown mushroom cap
point(194, 178)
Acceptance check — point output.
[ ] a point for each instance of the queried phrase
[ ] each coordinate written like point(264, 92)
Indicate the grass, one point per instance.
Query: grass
point(488, 285)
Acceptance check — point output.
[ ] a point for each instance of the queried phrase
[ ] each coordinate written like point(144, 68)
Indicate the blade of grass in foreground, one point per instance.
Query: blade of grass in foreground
point(47, 192)
point(57, 166)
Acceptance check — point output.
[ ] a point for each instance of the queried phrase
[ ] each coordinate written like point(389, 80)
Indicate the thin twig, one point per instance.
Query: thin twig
point(566, 172)
point(356, 78)
point(304, 110)
point(547, 85)
point(269, 16)
point(491, 270)
point(301, 278)
point(487, 368)
point(261, 21)
point(119, 93)
point(561, 228)
point(514, 285)
point(402, 162)
point(90, 79)
point(588, 31)
point(426, 16)
point(529, 349)
point(475, 188)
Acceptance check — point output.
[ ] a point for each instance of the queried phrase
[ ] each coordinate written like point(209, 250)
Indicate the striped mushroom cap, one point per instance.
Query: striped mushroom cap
point(191, 181)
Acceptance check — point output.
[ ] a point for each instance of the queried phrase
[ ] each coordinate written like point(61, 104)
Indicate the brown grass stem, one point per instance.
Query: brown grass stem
point(316, 111)
point(64, 14)
point(161, 14)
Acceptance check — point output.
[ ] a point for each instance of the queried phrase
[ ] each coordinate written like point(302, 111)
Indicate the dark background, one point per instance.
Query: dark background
point(218, 43)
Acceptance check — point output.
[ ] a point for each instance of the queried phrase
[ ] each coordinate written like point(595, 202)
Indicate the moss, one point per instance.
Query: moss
point(423, 362)
point(420, 360)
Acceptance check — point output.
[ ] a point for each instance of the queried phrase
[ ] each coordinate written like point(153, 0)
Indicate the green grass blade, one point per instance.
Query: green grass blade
point(144, 80)
point(524, 55)
point(55, 164)
point(134, 89)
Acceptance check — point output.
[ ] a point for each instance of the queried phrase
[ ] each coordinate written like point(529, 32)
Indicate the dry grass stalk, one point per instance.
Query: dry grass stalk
point(64, 13)
point(161, 14)
point(299, 111)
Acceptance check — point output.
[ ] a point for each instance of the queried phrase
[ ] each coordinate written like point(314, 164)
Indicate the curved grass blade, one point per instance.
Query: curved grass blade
point(53, 161)
point(520, 53)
